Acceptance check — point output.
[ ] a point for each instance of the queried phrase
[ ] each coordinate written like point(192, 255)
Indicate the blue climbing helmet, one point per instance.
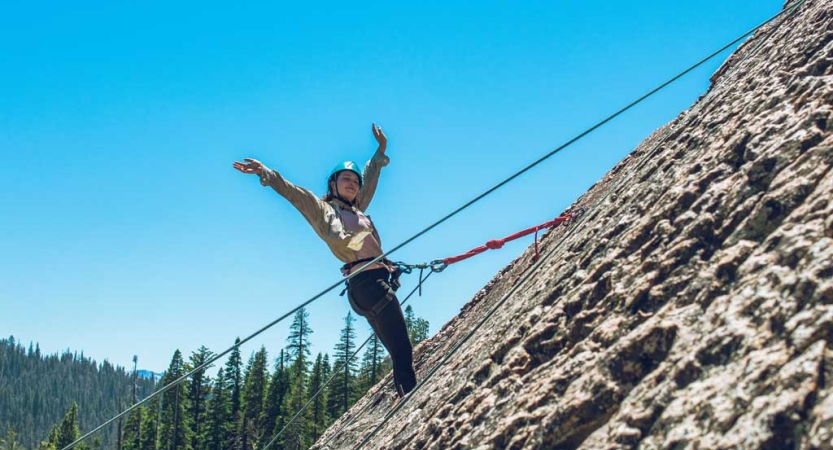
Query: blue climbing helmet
point(346, 165)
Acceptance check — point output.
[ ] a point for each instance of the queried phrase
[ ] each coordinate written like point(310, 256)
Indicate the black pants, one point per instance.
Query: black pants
point(372, 297)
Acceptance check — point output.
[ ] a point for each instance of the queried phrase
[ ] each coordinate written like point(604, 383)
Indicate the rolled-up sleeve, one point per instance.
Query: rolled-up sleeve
point(371, 178)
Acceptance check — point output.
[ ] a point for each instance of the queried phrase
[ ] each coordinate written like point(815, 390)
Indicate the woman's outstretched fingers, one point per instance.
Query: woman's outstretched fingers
point(380, 136)
point(253, 166)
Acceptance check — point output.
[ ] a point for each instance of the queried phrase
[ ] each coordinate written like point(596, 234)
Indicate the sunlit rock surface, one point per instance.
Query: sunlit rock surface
point(690, 308)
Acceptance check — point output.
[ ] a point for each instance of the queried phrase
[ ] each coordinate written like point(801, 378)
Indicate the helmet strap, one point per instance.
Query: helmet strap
point(339, 197)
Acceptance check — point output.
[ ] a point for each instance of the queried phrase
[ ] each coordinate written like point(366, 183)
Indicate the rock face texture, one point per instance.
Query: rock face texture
point(690, 308)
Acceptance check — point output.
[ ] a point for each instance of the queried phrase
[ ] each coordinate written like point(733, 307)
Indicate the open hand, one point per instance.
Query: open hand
point(380, 138)
point(251, 166)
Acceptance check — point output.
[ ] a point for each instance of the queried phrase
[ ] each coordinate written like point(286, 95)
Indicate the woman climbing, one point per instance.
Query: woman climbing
point(338, 218)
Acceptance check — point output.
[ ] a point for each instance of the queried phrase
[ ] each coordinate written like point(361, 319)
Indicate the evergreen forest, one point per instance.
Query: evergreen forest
point(37, 390)
point(46, 402)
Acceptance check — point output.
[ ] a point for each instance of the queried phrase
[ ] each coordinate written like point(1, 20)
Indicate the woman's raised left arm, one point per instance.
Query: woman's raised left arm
point(372, 169)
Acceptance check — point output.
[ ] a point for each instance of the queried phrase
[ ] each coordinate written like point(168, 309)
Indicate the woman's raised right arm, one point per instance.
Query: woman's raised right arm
point(314, 210)
point(305, 201)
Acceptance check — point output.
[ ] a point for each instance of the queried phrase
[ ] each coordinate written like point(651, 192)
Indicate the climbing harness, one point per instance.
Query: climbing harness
point(397, 269)
point(438, 266)
point(336, 371)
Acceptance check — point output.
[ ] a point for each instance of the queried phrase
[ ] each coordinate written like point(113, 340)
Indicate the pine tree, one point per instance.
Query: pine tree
point(64, 433)
point(175, 430)
point(149, 429)
point(120, 428)
point(10, 442)
point(135, 380)
point(254, 393)
point(298, 340)
point(326, 370)
point(421, 331)
point(409, 319)
point(417, 327)
point(319, 419)
point(298, 350)
point(68, 430)
point(343, 389)
point(51, 442)
point(219, 410)
point(296, 436)
point(133, 430)
point(198, 393)
point(234, 386)
point(273, 411)
point(371, 370)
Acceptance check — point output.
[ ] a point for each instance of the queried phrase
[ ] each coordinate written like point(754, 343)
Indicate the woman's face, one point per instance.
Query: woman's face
point(348, 185)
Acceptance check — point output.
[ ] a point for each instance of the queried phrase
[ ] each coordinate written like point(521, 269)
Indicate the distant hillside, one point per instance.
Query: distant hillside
point(149, 375)
point(36, 391)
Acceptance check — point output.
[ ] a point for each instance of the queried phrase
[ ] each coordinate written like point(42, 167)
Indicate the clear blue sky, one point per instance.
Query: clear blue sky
point(124, 229)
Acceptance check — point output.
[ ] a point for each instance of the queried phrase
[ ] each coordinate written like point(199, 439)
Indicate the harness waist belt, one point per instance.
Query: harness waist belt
point(345, 269)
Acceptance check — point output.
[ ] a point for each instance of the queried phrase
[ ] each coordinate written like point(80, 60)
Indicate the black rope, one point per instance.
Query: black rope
point(429, 228)
point(531, 269)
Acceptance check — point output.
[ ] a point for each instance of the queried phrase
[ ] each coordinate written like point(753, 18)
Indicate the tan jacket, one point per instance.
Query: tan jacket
point(325, 217)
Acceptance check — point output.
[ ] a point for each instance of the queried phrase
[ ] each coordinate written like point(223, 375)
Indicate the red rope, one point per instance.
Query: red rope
point(498, 243)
